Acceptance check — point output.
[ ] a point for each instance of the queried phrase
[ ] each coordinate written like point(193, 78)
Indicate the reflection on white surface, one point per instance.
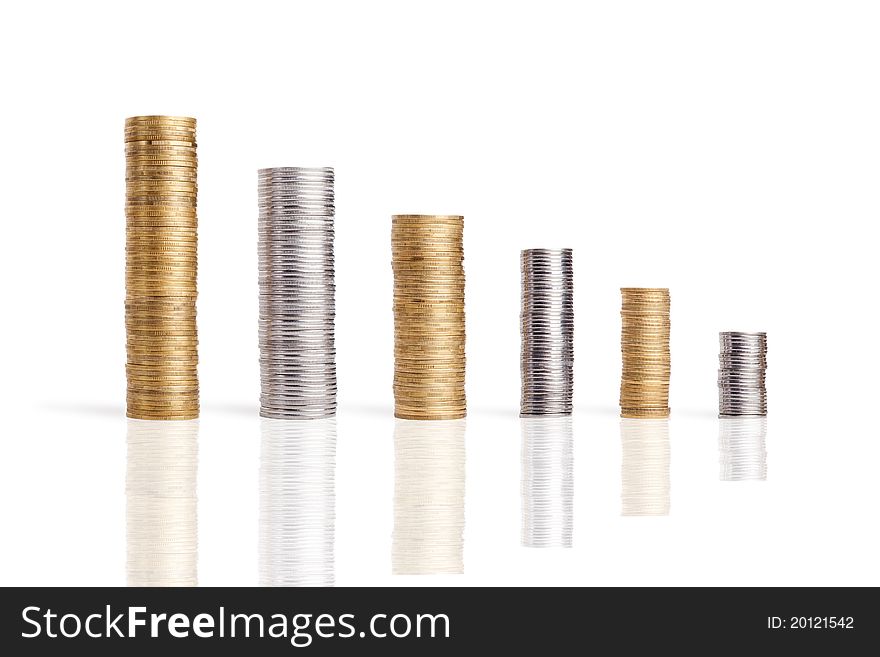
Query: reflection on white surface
point(741, 447)
point(547, 481)
point(428, 497)
point(161, 505)
point(297, 502)
point(645, 471)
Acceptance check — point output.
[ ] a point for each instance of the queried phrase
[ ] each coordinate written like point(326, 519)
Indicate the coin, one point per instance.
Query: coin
point(645, 330)
point(429, 327)
point(741, 376)
point(297, 293)
point(161, 268)
point(547, 332)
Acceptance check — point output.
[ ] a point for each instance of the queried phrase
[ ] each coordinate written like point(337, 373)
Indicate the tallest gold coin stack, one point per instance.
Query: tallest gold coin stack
point(429, 361)
point(160, 268)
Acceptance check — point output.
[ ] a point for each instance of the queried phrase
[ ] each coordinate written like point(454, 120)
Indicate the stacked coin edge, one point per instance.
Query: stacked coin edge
point(547, 332)
point(161, 268)
point(645, 331)
point(742, 369)
point(429, 321)
point(297, 293)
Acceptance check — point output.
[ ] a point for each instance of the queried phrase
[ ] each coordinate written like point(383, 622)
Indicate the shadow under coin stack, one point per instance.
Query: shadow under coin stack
point(297, 292)
point(429, 330)
point(160, 275)
point(644, 383)
point(547, 328)
point(741, 374)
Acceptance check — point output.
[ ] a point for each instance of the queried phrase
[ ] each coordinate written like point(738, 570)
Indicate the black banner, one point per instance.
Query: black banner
point(436, 620)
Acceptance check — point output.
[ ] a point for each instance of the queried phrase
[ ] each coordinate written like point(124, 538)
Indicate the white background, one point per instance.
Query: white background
point(727, 150)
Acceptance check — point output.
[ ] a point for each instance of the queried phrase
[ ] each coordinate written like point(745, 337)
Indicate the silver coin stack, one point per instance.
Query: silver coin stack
point(429, 468)
point(547, 481)
point(645, 467)
point(742, 448)
point(741, 374)
point(297, 502)
point(297, 293)
point(547, 328)
point(161, 505)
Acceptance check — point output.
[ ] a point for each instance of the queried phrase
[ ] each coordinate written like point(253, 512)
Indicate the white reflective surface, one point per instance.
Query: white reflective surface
point(297, 502)
point(429, 475)
point(742, 448)
point(547, 481)
point(645, 472)
point(161, 505)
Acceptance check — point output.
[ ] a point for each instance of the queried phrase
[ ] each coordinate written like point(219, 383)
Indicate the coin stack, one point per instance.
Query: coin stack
point(742, 448)
point(644, 467)
point(297, 502)
point(429, 361)
point(161, 504)
point(741, 374)
point(547, 481)
point(644, 383)
point(429, 477)
point(547, 328)
point(296, 279)
point(160, 273)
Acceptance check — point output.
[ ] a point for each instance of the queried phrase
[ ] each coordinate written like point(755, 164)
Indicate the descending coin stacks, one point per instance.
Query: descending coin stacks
point(161, 505)
point(160, 272)
point(429, 338)
point(644, 342)
point(547, 328)
point(297, 308)
point(741, 374)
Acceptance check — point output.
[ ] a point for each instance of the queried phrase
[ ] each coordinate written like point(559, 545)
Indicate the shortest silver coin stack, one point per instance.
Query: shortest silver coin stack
point(297, 293)
point(547, 327)
point(741, 374)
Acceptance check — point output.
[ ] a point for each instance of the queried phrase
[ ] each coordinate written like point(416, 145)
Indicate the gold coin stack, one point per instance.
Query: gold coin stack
point(644, 341)
point(160, 268)
point(429, 362)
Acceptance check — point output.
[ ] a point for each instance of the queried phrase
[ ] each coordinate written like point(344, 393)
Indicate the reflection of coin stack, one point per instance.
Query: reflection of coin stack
point(297, 502)
point(160, 276)
point(741, 374)
point(644, 383)
point(547, 327)
point(547, 481)
point(161, 513)
point(645, 471)
point(297, 349)
point(429, 360)
point(428, 498)
point(741, 444)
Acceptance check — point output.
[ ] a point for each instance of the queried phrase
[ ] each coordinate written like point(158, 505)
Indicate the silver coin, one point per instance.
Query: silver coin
point(742, 365)
point(296, 329)
point(547, 331)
